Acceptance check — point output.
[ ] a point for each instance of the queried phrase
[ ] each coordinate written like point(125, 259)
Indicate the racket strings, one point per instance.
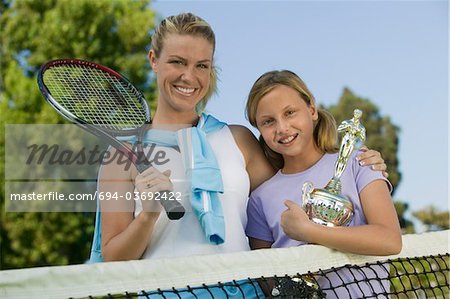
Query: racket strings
point(96, 96)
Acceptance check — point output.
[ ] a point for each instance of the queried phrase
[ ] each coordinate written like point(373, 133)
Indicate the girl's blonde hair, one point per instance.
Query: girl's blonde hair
point(187, 24)
point(325, 131)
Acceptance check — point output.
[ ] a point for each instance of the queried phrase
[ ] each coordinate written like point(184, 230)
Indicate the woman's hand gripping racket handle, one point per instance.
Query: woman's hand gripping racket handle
point(173, 208)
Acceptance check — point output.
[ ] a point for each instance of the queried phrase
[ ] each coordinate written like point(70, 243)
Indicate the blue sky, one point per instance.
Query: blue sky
point(394, 53)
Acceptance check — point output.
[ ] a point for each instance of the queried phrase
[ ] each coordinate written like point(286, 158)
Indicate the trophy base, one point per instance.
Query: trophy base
point(322, 222)
point(327, 209)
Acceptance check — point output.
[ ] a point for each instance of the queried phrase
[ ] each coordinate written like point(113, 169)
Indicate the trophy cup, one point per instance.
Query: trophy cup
point(327, 206)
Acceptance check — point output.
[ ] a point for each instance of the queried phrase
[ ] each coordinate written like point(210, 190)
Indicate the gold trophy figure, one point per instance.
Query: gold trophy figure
point(327, 206)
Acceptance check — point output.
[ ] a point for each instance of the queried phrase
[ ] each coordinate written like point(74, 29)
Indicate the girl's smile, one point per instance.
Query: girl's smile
point(288, 140)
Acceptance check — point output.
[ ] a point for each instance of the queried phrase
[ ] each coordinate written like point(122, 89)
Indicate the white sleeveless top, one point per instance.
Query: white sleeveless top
point(185, 237)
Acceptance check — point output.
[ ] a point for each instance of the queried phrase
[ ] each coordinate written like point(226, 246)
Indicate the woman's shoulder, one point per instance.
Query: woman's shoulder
point(257, 165)
point(244, 138)
point(115, 166)
point(240, 131)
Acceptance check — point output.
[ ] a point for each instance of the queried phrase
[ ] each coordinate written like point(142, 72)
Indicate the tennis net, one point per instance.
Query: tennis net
point(421, 270)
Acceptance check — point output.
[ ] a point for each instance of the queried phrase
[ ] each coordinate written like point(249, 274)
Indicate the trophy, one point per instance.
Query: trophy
point(327, 206)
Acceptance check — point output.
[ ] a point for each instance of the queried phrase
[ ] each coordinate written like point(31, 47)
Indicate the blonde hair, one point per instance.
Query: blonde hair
point(325, 130)
point(187, 24)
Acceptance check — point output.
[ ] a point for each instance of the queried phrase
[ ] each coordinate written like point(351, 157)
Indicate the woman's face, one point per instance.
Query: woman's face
point(182, 71)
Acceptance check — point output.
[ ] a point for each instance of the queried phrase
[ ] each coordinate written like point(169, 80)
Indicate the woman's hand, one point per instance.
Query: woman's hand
point(373, 158)
point(151, 184)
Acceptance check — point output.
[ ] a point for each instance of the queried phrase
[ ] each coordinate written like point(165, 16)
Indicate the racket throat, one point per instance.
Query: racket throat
point(143, 164)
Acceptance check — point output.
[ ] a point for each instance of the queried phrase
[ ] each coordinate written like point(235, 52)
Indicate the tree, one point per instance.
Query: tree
point(112, 33)
point(433, 219)
point(381, 133)
point(406, 224)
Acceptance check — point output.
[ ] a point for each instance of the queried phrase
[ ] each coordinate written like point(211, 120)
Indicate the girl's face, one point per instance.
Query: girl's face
point(182, 71)
point(286, 122)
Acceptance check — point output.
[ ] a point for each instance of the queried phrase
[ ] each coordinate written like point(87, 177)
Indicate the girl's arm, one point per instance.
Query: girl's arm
point(381, 236)
point(125, 237)
point(266, 284)
point(258, 244)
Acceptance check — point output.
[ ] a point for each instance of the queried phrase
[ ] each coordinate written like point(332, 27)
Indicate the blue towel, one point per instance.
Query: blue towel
point(201, 167)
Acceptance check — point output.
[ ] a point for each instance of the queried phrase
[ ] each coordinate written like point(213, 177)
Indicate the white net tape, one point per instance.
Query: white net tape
point(118, 277)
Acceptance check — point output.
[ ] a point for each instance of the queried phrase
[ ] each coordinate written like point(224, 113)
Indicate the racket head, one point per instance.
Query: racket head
point(88, 93)
point(103, 102)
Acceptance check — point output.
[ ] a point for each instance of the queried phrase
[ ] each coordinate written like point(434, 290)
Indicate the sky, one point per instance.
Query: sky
point(394, 53)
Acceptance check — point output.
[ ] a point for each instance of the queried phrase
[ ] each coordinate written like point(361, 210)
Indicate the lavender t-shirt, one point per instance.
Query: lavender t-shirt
point(266, 204)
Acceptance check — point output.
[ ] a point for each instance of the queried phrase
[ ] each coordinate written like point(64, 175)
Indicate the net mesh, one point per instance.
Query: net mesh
point(96, 96)
point(421, 270)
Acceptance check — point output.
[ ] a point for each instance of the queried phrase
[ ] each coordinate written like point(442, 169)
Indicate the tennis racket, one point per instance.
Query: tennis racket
point(104, 103)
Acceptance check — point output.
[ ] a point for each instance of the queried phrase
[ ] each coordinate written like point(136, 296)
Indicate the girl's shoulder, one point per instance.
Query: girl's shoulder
point(364, 174)
point(269, 185)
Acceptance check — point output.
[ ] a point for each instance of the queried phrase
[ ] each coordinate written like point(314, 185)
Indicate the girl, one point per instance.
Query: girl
point(300, 140)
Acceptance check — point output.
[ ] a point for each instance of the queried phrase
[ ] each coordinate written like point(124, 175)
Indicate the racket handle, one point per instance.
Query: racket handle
point(174, 209)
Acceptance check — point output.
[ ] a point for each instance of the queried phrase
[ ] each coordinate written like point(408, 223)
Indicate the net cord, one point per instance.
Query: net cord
point(118, 277)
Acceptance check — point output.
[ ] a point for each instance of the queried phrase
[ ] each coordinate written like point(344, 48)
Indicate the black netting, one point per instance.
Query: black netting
point(419, 277)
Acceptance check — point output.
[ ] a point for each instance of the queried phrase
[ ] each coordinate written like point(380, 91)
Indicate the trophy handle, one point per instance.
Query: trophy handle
point(306, 193)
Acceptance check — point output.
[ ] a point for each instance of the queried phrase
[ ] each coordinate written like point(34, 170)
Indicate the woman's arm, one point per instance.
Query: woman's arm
point(258, 168)
point(123, 236)
point(372, 158)
point(381, 236)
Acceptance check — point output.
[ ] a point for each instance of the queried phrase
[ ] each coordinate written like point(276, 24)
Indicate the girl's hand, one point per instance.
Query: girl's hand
point(295, 222)
point(373, 158)
point(151, 184)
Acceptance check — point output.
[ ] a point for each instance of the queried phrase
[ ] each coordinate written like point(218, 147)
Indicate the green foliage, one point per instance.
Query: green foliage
point(381, 133)
point(406, 224)
point(427, 274)
point(112, 33)
point(40, 239)
point(433, 218)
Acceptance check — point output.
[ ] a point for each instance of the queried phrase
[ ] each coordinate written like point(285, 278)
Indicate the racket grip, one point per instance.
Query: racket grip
point(174, 209)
